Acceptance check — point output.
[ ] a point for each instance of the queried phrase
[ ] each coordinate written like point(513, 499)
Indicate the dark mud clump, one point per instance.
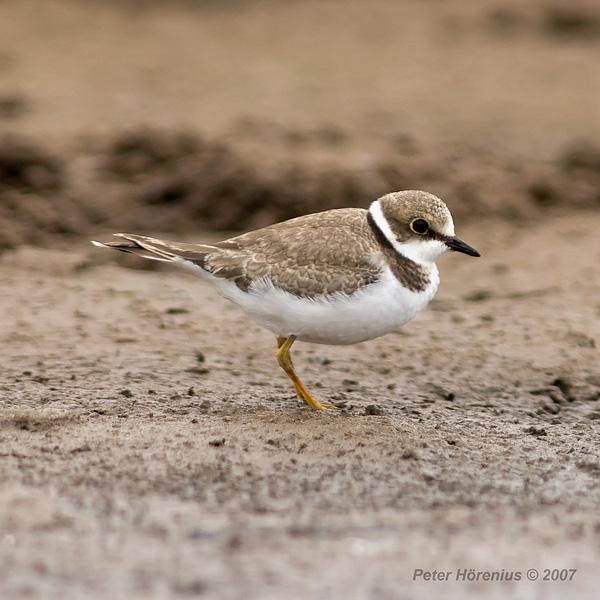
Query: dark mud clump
point(191, 184)
point(134, 154)
point(582, 155)
point(13, 106)
point(571, 22)
point(172, 182)
point(26, 167)
point(175, 182)
point(32, 207)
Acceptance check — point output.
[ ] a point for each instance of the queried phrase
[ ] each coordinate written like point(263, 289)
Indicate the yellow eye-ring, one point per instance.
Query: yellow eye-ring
point(419, 226)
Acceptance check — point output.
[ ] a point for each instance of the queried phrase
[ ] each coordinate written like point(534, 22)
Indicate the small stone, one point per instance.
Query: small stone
point(374, 410)
point(197, 370)
point(536, 431)
point(565, 386)
point(408, 454)
point(175, 310)
point(478, 296)
point(551, 408)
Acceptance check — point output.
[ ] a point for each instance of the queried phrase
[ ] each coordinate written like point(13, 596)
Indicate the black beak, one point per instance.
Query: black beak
point(458, 245)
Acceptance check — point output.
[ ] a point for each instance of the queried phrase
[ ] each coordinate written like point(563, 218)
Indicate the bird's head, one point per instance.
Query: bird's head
point(418, 225)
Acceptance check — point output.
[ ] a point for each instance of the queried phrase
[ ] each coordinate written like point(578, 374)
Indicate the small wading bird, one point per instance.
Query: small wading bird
point(336, 277)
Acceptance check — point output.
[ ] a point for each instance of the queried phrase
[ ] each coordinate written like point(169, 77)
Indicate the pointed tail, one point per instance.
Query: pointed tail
point(155, 249)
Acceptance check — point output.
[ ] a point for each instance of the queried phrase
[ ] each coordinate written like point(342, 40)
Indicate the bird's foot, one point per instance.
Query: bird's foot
point(305, 395)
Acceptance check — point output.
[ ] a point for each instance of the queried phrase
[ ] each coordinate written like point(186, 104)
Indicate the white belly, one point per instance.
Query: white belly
point(380, 308)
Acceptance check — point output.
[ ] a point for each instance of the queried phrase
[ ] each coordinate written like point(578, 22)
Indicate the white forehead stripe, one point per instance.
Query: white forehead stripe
point(449, 226)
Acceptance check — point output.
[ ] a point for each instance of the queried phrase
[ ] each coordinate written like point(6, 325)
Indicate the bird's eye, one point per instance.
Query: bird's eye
point(419, 226)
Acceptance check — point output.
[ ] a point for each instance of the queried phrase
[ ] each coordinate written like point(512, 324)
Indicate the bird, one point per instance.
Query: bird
point(336, 277)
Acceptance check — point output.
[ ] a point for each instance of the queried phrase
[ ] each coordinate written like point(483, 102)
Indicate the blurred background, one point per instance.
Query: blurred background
point(150, 447)
point(188, 115)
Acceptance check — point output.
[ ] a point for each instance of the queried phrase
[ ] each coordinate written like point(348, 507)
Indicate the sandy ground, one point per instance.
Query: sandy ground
point(151, 448)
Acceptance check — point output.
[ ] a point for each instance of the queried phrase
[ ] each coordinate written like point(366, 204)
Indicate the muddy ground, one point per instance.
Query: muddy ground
point(149, 445)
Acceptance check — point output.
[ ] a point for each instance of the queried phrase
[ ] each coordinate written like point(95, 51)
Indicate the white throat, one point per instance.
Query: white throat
point(423, 252)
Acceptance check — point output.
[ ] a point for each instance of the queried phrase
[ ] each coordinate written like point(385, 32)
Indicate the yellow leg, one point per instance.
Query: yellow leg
point(285, 362)
point(287, 358)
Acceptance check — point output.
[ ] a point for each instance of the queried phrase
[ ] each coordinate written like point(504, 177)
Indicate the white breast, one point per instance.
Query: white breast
point(379, 308)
